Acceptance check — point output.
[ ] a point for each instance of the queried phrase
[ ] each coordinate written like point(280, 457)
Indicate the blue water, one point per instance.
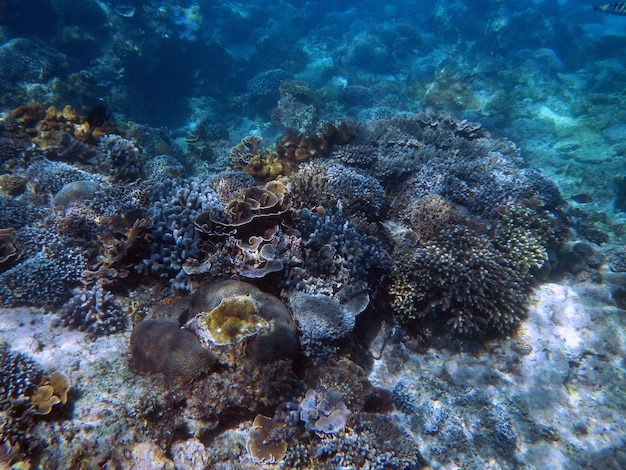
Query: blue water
point(188, 80)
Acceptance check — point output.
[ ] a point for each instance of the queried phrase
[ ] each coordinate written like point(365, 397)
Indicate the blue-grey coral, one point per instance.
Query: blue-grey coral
point(95, 311)
point(19, 377)
point(175, 239)
point(322, 318)
point(324, 412)
point(42, 280)
point(439, 155)
point(334, 244)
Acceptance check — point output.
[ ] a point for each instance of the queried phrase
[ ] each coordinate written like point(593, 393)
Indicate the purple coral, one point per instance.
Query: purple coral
point(324, 412)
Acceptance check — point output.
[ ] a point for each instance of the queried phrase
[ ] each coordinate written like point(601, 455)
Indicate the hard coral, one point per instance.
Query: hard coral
point(525, 236)
point(289, 153)
point(95, 311)
point(250, 225)
point(324, 412)
point(263, 443)
point(160, 346)
point(459, 283)
point(228, 311)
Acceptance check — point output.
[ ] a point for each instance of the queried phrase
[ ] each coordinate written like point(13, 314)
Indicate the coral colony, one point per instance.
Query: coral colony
point(330, 282)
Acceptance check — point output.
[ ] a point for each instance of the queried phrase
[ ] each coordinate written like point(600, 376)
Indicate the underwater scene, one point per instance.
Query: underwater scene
point(312, 234)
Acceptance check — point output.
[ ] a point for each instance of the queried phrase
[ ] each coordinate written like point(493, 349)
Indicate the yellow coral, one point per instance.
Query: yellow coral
point(232, 320)
point(52, 392)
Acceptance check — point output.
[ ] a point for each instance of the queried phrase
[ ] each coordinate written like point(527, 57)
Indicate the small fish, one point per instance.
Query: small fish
point(98, 116)
point(617, 8)
point(582, 198)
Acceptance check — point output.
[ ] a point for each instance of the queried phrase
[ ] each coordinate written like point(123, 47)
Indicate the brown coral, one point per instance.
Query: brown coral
point(253, 218)
point(52, 392)
point(428, 216)
point(264, 443)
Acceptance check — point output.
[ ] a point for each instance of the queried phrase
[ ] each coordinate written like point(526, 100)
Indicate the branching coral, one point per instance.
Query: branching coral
point(95, 311)
point(461, 284)
point(525, 236)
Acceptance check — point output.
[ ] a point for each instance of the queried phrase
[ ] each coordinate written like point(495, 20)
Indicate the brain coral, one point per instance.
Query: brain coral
point(160, 346)
point(459, 283)
point(227, 312)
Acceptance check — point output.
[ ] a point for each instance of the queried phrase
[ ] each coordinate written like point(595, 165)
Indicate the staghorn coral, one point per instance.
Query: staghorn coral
point(525, 236)
point(160, 346)
point(459, 284)
point(433, 154)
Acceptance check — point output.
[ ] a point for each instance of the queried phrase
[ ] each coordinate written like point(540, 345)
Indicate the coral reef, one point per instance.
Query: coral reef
point(323, 319)
point(26, 390)
point(175, 241)
point(324, 412)
point(262, 446)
